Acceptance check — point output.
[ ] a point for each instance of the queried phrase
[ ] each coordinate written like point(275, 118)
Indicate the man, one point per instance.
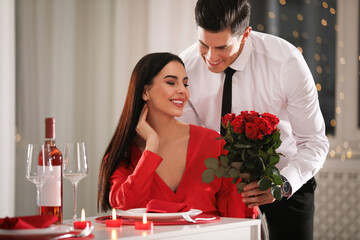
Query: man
point(271, 76)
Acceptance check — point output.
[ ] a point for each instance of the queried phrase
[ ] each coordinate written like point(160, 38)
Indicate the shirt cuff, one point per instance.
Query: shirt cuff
point(292, 175)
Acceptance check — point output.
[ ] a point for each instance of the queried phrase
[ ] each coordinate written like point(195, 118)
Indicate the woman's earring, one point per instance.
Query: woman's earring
point(145, 97)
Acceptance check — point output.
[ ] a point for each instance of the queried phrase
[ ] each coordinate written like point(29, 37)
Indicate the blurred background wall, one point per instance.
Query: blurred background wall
point(74, 60)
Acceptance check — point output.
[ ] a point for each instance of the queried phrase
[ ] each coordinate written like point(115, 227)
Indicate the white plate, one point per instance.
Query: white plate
point(52, 230)
point(137, 213)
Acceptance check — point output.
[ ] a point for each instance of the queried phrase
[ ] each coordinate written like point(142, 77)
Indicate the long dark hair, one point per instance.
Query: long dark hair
point(118, 150)
point(218, 15)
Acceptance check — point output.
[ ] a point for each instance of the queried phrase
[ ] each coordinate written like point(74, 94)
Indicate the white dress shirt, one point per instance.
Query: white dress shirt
point(271, 76)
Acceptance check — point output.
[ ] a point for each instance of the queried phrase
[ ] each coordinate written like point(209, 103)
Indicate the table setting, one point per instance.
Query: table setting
point(160, 219)
point(40, 168)
point(44, 163)
point(46, 167)
point(160, 212)
point(35, 227)
point(221, 227)
point(156, 213)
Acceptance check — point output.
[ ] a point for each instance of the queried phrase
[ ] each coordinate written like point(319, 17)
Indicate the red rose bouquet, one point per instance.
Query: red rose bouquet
point(251, 141)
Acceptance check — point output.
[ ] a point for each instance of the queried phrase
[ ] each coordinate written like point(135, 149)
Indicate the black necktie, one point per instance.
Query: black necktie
point(226, 99)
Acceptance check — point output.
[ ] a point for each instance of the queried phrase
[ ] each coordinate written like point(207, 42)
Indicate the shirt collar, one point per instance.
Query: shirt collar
point(241, 61)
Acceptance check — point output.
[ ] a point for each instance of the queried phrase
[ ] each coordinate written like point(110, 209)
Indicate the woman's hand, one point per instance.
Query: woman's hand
point(144, 130)
point(253, 197)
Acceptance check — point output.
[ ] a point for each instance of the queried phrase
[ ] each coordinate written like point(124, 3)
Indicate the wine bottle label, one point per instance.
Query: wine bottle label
point(50, 193)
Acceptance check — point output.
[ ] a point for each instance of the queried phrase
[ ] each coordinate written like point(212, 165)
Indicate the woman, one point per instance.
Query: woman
point(153, 156)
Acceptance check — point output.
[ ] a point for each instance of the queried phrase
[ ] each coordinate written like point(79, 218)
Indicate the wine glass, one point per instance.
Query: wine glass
point(75, 166)
point(38, 167)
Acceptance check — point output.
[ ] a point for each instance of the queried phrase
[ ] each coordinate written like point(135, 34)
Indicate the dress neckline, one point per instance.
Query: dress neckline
point(191, 128)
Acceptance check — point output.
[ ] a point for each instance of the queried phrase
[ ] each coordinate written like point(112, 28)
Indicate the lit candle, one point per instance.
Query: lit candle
point(144, 225)
point(113, 222)
point(82, 224)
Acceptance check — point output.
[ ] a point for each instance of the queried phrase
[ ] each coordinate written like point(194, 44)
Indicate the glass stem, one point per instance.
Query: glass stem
point(75, 192)
point(38, 199)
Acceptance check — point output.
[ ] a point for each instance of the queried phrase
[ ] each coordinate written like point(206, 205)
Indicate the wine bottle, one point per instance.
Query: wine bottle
point(51, 195)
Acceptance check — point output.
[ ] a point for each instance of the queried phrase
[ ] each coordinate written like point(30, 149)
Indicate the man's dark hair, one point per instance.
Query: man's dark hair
point(219, 15)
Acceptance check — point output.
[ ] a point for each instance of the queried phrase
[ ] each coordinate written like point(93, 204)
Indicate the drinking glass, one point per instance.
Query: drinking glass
point(75, 166)
point(38, 167)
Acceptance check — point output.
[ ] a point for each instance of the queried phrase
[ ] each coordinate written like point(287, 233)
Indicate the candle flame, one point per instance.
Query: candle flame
point(144, 218)
point(114, 214)
point(83, 215)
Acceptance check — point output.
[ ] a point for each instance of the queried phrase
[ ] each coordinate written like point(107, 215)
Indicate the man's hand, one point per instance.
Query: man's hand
point(253, 197)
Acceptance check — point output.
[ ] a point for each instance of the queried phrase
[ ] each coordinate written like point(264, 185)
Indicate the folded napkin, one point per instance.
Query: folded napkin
point(161, 206)
point(27, 222)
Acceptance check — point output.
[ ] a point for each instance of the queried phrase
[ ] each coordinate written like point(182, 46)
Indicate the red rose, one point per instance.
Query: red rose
point(227, 118)
point(252, 131)
point(238, 124)
point(272, 119)
point(251, 116)
point(244, 113)
point(264, 126)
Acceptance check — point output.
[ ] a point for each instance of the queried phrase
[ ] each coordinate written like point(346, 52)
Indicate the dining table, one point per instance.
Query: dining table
point(224, 228)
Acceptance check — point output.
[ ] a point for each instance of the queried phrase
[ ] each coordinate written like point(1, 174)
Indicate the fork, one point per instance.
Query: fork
point(189, 219)
point(84, 233)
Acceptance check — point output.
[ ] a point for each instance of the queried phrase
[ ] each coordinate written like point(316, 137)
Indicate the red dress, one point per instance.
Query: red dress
point(135, 186)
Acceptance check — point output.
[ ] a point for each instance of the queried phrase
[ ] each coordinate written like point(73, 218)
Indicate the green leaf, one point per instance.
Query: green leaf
point(277, 192)
point(270, 151)
point(250, 165)
point(264, 184)
point(230, 157)
point(212, 163)
point(234, 172)
point(251, 153)
point(262, 164)
point(243, 156)
point(240, 145)
point(237, 164)
point(276, 179)
point(220, 171)
point(244, 175)
point(240, 186)
point(276, 136)
point(228, 148)
point(229, 136)
point(263, 155)
point(276, 171)
point(208, 175)
point(235, 180)
point(274, 159)
point(224, 160)
point(277, 144)
point(226, 172)
point(267, 140)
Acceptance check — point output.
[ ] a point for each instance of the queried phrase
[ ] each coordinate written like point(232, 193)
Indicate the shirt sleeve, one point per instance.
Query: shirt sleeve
point(130, 188)
point(307, 123)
